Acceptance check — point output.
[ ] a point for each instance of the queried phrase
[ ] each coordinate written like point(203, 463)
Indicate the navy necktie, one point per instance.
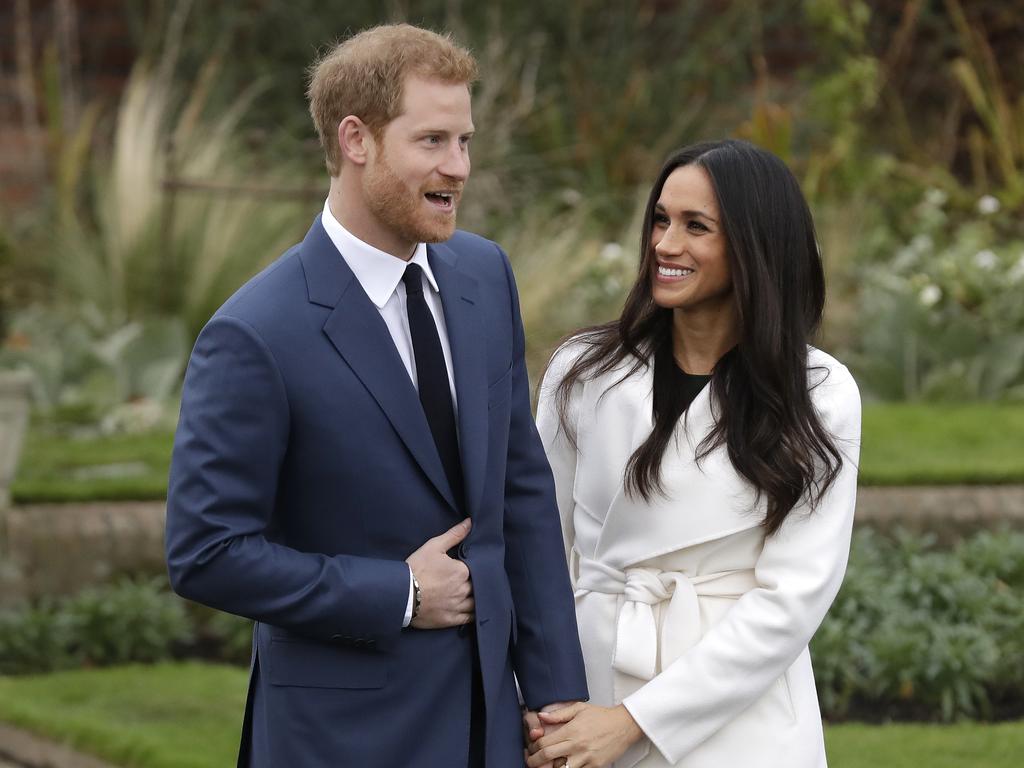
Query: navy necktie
point(432, 377)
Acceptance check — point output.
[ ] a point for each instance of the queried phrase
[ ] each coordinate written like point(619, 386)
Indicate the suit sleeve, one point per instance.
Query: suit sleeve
point(221, 505)
point(798, 574)
point(558, 443)
point(546, 657)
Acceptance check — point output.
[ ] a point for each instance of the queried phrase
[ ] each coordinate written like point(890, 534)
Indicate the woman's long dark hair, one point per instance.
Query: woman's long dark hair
point(764, 415)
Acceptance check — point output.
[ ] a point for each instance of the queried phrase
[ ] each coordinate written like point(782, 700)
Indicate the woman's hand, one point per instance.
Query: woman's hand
point(590, 736)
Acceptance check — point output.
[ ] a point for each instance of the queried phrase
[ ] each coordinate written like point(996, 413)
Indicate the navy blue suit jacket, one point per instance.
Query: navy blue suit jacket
point(304, 473)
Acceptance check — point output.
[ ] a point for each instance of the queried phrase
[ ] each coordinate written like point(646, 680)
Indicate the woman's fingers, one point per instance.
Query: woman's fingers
point(563, 715)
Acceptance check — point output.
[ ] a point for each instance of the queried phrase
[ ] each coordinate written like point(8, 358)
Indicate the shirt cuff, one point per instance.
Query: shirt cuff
point(408, 608)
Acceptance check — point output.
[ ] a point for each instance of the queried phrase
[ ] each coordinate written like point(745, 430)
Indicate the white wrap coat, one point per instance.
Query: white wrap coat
point(688, 614)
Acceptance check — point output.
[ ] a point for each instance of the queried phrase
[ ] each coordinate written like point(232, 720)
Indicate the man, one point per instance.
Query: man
point(356, 467)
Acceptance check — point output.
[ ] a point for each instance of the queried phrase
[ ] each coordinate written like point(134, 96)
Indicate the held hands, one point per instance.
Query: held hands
point(587, 735)
point(446, 593)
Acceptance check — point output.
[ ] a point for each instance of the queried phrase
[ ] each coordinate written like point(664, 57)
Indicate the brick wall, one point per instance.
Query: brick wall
point(96, 52)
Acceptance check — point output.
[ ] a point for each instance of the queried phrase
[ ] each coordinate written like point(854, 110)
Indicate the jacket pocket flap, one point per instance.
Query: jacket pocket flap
point(318, 665)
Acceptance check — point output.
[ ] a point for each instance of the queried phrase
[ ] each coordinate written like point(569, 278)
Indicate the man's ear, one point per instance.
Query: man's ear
point(356, 140)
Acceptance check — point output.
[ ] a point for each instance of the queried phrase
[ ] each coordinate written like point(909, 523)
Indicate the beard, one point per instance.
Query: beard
point(402, 211)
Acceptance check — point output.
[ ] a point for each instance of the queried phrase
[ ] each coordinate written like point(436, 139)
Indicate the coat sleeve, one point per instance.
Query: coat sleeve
point(558, 443)
point(798, 575)
point(546, 657)
point(222, 507)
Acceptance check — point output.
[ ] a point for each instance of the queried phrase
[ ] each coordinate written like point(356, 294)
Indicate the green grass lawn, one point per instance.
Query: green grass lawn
point(185, 715)
point(120, 467)
point(973, 443)
point(189, 716)
point(904, 444)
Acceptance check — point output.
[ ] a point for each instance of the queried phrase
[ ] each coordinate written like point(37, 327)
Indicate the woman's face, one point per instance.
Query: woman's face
point(690, 269)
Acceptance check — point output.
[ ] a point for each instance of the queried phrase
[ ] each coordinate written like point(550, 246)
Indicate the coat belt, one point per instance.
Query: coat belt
point(636, 636)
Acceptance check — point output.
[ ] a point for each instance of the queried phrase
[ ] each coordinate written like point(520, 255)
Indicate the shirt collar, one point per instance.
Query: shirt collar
point(379, 273)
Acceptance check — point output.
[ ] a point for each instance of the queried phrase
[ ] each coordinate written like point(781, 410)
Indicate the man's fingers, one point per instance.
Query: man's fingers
point(466, 606)
point(452, 536)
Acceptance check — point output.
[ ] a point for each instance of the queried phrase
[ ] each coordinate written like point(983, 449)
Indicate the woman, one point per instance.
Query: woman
point(705, 459)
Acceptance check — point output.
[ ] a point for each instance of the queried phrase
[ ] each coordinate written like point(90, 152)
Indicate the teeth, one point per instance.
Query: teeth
point(670, 272)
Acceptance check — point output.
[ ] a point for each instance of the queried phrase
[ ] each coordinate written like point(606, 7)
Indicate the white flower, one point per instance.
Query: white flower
point(611, 252)
point(935, 196)
point(922, 243)
point(988, 205)
point(930, 295)
point(986, 260)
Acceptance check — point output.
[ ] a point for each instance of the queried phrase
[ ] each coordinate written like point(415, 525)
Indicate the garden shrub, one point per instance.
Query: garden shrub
point(918, 633)
point(129, 621)
point(34, 639)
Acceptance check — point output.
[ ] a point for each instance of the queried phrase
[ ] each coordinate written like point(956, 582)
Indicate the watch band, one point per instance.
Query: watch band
point(416, 596)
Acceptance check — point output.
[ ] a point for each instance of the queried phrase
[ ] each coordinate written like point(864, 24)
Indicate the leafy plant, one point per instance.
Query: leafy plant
point(922, 633)
point(85, 371)
point(34, 639)
point(941, 318)
point(129, 621)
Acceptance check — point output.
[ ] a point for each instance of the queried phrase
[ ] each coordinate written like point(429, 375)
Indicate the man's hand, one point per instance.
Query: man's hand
point(533, 729)
point(446, 593)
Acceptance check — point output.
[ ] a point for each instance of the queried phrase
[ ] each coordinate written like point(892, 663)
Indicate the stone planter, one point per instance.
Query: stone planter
point(14, 403)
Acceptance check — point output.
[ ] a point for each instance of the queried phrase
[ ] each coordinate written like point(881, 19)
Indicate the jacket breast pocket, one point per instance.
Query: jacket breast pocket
point(499, 392)
point(320, 665)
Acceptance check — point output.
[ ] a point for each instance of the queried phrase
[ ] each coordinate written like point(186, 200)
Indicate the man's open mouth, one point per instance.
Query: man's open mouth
point(443, 200)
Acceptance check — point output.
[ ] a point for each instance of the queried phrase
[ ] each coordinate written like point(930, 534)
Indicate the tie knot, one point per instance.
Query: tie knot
point(413, 278)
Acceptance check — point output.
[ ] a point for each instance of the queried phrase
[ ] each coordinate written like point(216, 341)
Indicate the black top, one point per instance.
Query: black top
point(690, 383)
point(678, 382)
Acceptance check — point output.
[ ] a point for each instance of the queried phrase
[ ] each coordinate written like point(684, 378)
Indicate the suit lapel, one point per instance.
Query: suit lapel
point(459, 297)
point(361, 337)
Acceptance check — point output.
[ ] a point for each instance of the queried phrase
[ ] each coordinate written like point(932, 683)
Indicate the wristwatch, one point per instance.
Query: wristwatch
point(416, 596)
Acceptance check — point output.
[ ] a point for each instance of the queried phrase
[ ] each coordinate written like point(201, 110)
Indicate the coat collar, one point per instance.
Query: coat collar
point(700, 503)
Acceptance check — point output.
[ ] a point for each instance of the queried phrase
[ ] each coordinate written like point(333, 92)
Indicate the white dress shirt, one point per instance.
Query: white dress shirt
point(380, 275)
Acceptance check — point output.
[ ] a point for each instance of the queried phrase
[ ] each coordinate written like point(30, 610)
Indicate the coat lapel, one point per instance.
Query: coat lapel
point(361, 337)
point(460, 297)
point(700, 503)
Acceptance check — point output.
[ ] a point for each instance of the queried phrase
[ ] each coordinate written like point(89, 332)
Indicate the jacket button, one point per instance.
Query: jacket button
point(463, 550)
point(336, 638)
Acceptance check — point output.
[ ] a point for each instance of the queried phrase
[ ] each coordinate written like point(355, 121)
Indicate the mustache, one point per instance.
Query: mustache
point(451, 189)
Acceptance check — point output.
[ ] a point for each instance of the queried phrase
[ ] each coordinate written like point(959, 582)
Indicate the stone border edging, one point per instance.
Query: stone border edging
point(962, 505)
point(57, 549)
point(32, 751)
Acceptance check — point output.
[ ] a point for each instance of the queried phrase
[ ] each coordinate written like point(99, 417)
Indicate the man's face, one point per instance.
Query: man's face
point(413, 181)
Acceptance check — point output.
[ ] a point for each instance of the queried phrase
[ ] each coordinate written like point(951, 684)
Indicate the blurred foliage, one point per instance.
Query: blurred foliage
point(942, 315)
point(86, 371)
point(921, 633)
point(209, 167)
point(116, 624)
